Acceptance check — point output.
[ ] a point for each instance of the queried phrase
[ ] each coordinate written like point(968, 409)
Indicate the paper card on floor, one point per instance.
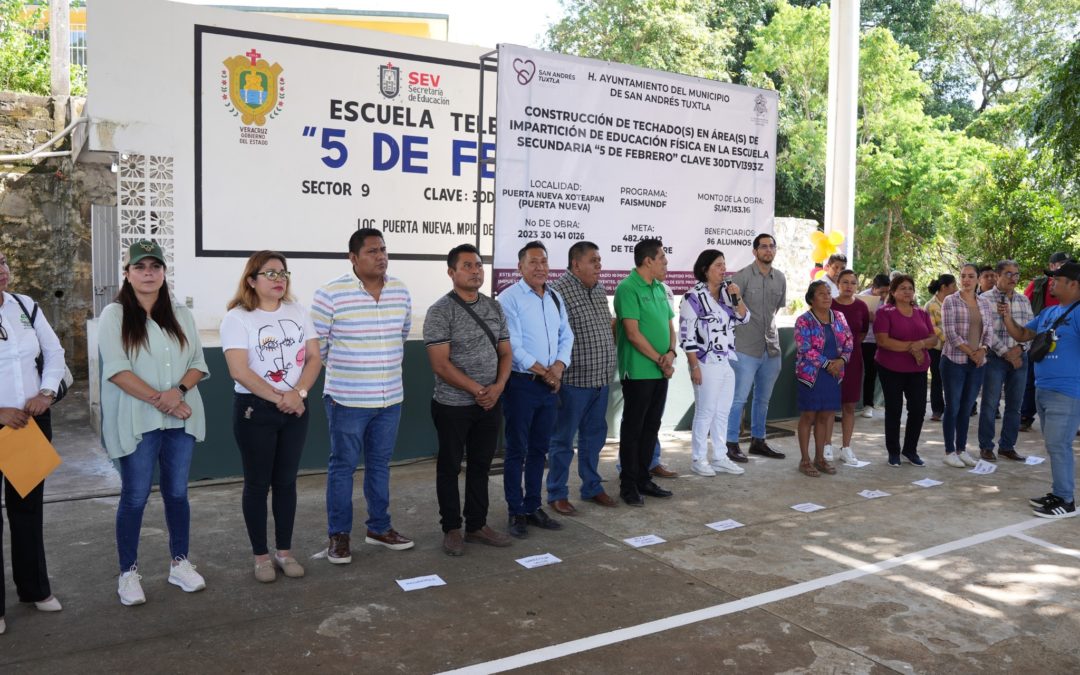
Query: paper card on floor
point(644, 540)
point(983, 468)
point(538, 561)
point(859, 463)
point(807, 507)
point(26, 457)
point(927, 482)
point(1033, 460)
point(722, 525)
point(416, 583)
point(874, 494)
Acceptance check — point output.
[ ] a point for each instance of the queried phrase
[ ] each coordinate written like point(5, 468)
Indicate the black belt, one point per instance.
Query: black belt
point(529, 376)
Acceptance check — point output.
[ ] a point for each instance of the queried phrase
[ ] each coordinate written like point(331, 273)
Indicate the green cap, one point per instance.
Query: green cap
point(144, 248)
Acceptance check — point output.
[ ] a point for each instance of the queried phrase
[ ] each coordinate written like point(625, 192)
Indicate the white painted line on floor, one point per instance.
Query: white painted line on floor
point(1046, 544)
point(679, 620)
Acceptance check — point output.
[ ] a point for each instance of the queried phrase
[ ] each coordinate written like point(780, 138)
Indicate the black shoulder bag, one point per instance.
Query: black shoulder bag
point(66, 380)
point(1043, 342)
point(476, 317)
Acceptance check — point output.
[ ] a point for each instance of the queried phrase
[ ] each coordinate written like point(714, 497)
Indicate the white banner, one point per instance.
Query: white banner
point(299, 143)
point(609, 153)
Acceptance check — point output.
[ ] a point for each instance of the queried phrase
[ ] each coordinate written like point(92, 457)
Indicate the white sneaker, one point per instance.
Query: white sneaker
point(702, 468)
point(130, 590)
point(867, 412)
point(723, 464)
point(967, 459)
point(828, 452)
point(952, 460)
point(183, 574)
point(847, 456)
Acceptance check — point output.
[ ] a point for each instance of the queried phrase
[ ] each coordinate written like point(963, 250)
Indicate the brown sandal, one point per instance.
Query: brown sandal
point(825, 467)
point(807, 469)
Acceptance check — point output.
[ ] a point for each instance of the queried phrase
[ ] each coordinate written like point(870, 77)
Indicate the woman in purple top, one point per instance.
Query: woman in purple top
point(858, 320)
point(904, 336)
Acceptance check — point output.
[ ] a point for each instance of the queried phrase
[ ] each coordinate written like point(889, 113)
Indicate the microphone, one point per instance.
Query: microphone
point(734, 296)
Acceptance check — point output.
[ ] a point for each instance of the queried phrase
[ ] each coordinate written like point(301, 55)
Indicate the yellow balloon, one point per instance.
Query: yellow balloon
point(818, 238)
point(822, 251)
point(820, 273)
point(836, 237)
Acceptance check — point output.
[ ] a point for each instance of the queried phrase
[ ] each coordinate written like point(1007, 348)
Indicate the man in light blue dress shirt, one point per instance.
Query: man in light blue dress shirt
point(540, 342)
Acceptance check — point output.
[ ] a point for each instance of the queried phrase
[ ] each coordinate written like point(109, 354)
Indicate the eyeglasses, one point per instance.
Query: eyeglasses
point(768, 247)
point(274, 275)
point(1011, 275)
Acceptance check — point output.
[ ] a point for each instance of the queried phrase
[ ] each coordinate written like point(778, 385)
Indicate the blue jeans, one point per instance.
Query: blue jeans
point(530, 409)
point(582, 411)
point(370, 432)
point(171, 450)
point(1060, 417)
point(961, 384)
point(759, 373)
point(1000, 374)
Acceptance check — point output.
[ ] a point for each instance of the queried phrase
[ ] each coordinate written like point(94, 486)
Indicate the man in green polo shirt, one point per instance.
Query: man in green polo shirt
point(645, 343)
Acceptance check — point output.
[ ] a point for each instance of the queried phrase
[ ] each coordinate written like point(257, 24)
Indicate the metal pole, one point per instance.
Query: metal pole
point(842, 122)
point(480, 161)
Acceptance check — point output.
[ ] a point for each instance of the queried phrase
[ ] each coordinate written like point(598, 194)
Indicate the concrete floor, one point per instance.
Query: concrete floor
point(988, 589)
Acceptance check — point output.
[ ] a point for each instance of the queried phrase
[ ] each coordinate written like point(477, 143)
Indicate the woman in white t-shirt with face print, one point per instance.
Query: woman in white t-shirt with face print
point(273, 355)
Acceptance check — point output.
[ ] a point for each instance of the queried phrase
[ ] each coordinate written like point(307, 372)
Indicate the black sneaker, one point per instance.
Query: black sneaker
point(1042, 501)
point(894, 461)
point(914, 458)
point(1059, 508)
point(543, 520)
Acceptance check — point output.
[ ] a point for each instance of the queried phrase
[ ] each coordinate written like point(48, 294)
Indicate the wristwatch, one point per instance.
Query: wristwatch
point(183, 389)
point(303, 394)
point(48, 393)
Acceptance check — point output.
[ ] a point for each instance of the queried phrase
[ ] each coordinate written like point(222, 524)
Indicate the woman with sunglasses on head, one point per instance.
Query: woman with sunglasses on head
point(151, 411)
point(967, 326)
point(25, 394)
point(904, 336)
point(272, 351)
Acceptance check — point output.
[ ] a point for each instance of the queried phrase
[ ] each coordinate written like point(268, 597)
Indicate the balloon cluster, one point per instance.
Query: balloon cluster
point(824, 245)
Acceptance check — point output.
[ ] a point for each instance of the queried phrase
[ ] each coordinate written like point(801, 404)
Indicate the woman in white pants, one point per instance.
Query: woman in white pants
point(708, 315)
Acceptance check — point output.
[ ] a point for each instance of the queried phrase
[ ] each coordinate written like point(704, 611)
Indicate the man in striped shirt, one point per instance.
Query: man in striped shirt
point(362, 319)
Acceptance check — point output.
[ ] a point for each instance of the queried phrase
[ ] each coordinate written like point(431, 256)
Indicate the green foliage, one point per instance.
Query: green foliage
point(671, 35)
point(24, 56)
point(24, 51)
point(1056, 118)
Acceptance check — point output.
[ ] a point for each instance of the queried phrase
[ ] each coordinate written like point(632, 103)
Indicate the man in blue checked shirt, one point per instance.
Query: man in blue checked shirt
point(540, 342)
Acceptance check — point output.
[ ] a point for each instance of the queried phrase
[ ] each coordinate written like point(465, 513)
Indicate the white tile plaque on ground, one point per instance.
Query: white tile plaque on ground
point(927, 482)
point(416, 583)
point(983, 468)
point(538, 560)
point(807, 507)
point(874, 494)
point(722, 525)
point(644, 540)
point(1033, 460)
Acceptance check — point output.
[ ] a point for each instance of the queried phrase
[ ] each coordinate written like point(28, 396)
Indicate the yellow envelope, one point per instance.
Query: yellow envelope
point(26, 457)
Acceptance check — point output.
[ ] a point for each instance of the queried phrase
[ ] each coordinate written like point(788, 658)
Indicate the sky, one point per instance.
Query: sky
point(474, 22)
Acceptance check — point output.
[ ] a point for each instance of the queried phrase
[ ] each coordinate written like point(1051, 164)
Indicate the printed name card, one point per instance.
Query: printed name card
point(874, 494)
point(416, 583)
point(644, 540)
point(983, 468)
point(859, 463)
point(1033, 460)
point(723, 525)
point(927, 482)
point(538, 561)
point(808, 507)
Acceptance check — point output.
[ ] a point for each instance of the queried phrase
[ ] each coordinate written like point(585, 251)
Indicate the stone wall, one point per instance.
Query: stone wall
point(45, 219)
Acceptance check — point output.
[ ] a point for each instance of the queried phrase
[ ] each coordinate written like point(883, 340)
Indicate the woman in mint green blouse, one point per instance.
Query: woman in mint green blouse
point(152, 413)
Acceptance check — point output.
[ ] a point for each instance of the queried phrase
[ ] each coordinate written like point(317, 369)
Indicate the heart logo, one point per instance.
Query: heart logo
point(525, 69)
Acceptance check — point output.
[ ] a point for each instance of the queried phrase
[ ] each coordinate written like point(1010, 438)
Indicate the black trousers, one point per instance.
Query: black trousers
point(25, 517)
point(869, 373)
point(469, 432)
point(898, 388)
point(271, 443)
point(643, 409)
point(937, 392)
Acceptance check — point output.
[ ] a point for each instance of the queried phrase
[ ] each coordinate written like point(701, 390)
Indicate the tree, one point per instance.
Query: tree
point(670, 35)
point(1056, 121)
point(24, 51)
